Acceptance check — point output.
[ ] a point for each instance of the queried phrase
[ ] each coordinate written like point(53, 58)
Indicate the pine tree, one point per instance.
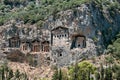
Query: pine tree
point(60, 75)
point(3, 76)
point(17, 74)
point(118, 75)
point(108, 74)
point(75, 73)
point(97, 76)
point(102, 72)
point(10, 74)
point(55, 75)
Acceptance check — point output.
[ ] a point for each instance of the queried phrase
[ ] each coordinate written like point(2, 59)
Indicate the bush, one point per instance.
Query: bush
point(114, 48)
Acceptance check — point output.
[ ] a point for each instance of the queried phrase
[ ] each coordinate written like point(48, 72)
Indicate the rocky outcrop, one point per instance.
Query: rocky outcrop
point(98, 26)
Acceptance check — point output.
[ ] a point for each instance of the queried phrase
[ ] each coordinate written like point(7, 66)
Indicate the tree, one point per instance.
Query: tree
point(118, 75)
point(10, 74)
point(108, 74)
point(23, 76)
point(17, 74)
point(7, 74)
point(75, 74)
point(110, 49)
point(86, 69)
point(114, 49)
point(101, 72)
point(65, 74)
point(109, 59)
point(2, 73)
point(60, 75)
point(97, 75)
point(55, 75)
point(116, 70)
point(83, 71)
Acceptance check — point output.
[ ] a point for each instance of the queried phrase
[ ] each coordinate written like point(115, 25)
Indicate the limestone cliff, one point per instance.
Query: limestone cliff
point(97, 23)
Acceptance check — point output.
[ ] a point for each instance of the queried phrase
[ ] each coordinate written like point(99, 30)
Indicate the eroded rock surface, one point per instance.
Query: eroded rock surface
point(98, 27)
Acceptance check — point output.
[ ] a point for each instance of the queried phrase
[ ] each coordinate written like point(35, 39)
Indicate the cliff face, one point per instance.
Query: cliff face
point(99, 26)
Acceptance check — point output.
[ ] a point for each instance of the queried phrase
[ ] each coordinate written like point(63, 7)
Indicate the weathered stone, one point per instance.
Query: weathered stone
point(97, 27)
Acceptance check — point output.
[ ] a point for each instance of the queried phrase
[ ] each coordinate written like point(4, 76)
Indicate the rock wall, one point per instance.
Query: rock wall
point(98, 26)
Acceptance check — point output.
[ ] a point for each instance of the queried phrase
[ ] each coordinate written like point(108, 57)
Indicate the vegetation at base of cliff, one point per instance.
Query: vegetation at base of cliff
point(108, 69)
point(7, 74)
point(30, 12)
point(87, 71)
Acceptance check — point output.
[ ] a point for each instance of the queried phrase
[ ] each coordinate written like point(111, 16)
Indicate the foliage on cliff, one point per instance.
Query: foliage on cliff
point(30, 12)
point(114, 48)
